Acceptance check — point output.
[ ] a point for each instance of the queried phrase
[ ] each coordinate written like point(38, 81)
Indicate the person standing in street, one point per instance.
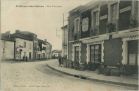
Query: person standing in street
point(59, 60)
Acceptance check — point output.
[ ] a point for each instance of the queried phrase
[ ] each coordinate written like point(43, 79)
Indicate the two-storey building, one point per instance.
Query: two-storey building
point(44, 49)
point(105, 33)
point(23, 46)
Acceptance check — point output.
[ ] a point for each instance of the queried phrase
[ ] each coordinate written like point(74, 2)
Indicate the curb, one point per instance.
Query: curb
point(88, 78)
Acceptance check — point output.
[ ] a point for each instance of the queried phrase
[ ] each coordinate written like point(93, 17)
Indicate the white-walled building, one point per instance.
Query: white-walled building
point(7, 47)
point(23, 48)
point(44, 49)
point(24, 45)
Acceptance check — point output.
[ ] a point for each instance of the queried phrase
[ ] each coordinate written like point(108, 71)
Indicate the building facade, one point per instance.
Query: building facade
point(24, 45)
point(44, 49)
point(65, 41)
point(105, 34)
point(23, 49)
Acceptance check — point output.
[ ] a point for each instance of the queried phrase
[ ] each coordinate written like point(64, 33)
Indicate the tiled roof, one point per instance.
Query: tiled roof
point(23, 36)
point(6, 37)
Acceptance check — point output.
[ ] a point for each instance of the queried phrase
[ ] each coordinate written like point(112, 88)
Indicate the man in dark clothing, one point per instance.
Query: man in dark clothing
point(59, 59)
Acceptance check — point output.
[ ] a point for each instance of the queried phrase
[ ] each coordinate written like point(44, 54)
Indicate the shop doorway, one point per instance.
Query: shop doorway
point(133, 55)
point(76, 58)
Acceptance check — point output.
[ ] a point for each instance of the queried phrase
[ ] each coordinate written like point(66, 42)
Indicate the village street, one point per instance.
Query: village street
point(36, 76)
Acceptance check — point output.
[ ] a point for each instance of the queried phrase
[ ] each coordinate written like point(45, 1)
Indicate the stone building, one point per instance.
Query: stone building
point(105, 35)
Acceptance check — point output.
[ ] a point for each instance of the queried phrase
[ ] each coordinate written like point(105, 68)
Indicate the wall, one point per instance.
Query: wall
point(7, 49)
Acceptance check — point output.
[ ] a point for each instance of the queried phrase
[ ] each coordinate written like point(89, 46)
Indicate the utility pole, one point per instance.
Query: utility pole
point(63, 19)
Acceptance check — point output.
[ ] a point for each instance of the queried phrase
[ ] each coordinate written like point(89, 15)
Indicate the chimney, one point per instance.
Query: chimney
point(17, 31)
point(45, 40)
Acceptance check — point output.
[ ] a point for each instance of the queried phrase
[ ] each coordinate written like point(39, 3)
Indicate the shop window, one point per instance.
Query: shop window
point(95, 53)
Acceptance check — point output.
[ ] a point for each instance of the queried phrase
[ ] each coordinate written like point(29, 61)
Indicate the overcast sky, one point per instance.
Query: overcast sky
point(40, 20)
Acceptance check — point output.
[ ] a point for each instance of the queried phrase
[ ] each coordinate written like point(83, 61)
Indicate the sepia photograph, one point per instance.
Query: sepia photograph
point(69, 45)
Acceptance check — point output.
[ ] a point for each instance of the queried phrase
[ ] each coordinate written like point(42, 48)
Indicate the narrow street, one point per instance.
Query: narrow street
point(36, 76)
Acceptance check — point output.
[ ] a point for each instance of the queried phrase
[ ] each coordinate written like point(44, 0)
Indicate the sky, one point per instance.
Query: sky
point(45, 21)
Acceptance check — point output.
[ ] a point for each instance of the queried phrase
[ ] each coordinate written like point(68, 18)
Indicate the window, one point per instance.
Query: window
point(85, 24)
point(95, 53)
point(76, 25)
point(113, 12)
point(24, 44)
point(95, 18)
point(104, 10)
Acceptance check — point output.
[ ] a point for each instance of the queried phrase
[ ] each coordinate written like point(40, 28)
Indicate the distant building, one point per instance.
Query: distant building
point(23, 46)
point(44, 49)
point(65, 41)
point(56, 53)
point(48, 50)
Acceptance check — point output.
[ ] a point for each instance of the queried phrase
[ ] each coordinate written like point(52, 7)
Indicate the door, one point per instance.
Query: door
point(76, 54)
point(133, 54)
point(29, 55)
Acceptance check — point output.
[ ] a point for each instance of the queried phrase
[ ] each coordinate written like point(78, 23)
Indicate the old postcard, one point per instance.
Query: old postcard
point(69, 45)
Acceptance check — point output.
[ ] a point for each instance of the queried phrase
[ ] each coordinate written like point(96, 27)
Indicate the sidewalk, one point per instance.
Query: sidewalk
point(91, 75)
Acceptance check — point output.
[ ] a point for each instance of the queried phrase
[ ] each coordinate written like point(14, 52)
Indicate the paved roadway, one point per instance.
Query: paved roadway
point(36, 76)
